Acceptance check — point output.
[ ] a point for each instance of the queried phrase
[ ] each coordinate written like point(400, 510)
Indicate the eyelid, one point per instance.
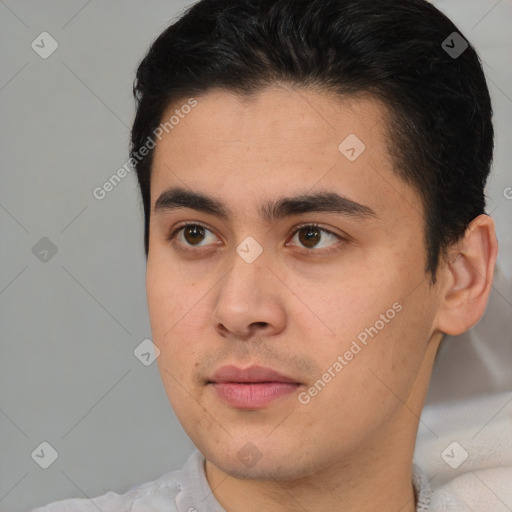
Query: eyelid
point(318, 226)
point(188, 223)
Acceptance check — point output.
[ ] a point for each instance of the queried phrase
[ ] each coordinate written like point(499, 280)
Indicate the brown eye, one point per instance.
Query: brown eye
point(193, 234)
point(309, 236)
point(191, 237)
point(314, 237)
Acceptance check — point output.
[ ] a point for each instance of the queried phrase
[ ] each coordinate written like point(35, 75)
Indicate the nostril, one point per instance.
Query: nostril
point(260, 324)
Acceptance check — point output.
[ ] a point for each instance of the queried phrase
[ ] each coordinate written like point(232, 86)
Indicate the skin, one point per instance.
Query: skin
point(296, 308)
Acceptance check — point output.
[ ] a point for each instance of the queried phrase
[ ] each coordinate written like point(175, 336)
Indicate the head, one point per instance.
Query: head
point(313, 186)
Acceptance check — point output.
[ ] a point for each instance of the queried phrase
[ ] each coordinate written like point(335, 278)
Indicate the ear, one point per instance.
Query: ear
point(467, 275)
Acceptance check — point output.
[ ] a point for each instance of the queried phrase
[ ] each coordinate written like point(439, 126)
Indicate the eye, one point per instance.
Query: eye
point(312, 236)
point(193, 235)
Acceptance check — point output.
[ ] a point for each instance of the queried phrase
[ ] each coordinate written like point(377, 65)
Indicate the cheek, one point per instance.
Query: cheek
point(347, 304)
point(179, 305)
point(172, 315)
point(374, 377)
point(375, 316)
point(173, 308)
point(171, 293)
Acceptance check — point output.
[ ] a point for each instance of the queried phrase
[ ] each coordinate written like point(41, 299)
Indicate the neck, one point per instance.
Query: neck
point(379, 478)
point(376, 476)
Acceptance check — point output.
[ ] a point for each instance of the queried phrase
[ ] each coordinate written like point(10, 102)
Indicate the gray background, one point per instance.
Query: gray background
point(69, 325)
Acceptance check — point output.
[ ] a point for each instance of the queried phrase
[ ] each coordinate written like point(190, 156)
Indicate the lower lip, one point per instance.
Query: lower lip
point(252, 395)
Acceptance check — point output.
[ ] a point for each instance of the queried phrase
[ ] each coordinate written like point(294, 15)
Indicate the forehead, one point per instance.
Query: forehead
point(280, 141)
point(278, 118)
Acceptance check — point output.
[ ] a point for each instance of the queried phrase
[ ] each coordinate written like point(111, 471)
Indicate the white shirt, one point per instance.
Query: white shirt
point(186, 490)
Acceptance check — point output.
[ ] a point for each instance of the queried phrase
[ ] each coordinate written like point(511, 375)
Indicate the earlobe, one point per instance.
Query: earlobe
point(469, 272)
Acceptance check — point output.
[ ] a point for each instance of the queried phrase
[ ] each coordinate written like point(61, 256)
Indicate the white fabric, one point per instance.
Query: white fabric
point(470, 403)
point(186, 490)
point(482, 427)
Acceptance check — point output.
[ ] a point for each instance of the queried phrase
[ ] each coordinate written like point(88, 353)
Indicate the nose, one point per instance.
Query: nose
point(249, 301)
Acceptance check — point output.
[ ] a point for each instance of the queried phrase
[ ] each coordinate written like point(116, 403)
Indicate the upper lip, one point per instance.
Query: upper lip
point(251, 374)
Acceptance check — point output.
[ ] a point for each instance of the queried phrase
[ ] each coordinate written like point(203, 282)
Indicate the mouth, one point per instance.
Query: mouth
point(251, 388)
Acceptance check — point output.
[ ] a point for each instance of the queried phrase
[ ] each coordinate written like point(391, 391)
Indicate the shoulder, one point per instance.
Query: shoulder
point(152, 496)
point(170, 493)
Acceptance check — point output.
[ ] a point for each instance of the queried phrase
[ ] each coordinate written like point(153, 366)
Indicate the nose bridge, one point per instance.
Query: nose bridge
point(245, 280)
point(247, 296)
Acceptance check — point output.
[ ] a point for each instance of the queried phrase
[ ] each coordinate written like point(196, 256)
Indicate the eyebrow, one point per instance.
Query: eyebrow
point(269, 211)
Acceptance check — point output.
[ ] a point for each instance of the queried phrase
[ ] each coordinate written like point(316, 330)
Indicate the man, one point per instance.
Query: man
point(313, 175)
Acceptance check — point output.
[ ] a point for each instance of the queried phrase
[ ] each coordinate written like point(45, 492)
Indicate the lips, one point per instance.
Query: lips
point(251, 388)
point(249, 375)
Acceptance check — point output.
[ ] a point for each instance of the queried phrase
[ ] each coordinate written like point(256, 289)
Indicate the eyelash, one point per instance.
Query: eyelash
point(303, 250)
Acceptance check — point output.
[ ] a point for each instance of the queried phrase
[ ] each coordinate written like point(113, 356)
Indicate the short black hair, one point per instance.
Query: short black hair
point(401, 52)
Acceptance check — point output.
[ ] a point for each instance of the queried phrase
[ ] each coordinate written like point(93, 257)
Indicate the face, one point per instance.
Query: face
point(285, 281)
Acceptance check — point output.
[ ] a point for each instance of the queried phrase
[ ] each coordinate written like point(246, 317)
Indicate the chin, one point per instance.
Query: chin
point(261, 460)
